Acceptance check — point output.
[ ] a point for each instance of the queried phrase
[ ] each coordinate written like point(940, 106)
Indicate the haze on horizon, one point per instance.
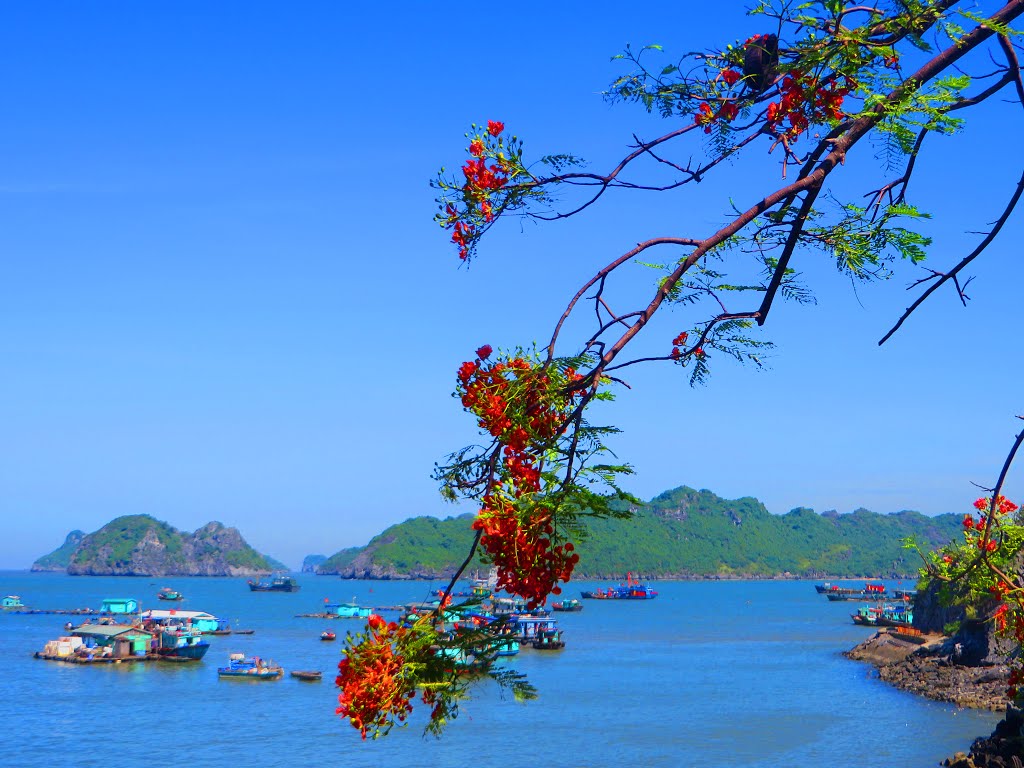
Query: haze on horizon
point(223, 297)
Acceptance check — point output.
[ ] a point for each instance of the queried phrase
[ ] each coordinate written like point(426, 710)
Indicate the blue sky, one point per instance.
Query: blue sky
point(222, 295)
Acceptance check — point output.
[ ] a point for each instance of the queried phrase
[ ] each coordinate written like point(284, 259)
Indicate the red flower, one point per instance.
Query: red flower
point(680, 340)
point(494, 127)
point(476, 148)
point(730, 76)
point(484, 352)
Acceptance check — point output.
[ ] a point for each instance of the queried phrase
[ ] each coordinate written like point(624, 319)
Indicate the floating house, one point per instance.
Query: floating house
point(114, 640)
point(11, 603)
point(120, 605)
point(350, 610)
point(200, 621)
point(528, 628)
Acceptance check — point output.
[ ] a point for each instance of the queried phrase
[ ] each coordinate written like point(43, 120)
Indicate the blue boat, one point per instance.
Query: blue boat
point(276, 584)
point(181, 643)
point(631, 590)
point(250, 668)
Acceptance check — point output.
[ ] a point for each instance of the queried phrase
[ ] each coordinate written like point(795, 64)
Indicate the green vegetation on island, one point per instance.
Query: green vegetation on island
point(141, 545)
point(681, 533)
point(59, 559)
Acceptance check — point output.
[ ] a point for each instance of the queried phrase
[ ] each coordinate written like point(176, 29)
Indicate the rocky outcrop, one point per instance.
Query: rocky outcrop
point(1003, 749)
point(940, 670)
point(139, 545)
point(310, 562)
point(58, 559)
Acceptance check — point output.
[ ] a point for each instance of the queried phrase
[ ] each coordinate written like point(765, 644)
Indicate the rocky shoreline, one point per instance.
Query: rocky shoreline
point(936, 670)
point(942, 669)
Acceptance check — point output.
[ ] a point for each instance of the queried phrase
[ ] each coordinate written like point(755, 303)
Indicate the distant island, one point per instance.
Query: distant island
point(682, 533)
point(141, 545)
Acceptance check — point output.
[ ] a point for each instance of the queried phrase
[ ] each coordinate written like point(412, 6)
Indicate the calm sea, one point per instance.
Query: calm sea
point(708, 674)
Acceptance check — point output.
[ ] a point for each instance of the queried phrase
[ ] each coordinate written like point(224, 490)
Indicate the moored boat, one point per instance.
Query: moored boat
point(276, 584)
point(328, 636)
point(11, 603)
point(169, 594)
point(871, 591)
point(180, 643)
point(250, 668)
point(309, 675)
point(568, 606)
point(549, 640)
point(631, 590)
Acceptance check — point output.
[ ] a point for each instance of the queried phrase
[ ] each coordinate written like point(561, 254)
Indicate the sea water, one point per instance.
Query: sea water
point(715, 674)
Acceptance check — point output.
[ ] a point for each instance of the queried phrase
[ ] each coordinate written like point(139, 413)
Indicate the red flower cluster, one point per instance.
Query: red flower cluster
point(806, 100)
point(515, 401)
point(1003, 505)
point(706, 115)
point(482, 181)
point(677, 342)
point(375, 691)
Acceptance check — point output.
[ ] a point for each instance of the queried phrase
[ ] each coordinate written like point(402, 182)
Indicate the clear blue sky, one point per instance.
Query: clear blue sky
point(222, 296)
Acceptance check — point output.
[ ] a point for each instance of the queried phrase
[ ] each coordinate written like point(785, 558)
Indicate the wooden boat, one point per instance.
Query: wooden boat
point(631, 590)
point(328, 636)
point(572, 605)
point(180, 643)
point(910, 634)
point(249, 668)
point(549, 640)
point(871, 591)
point(276, 584)
point(243, 631)
point(309, 675)
point(169, 594)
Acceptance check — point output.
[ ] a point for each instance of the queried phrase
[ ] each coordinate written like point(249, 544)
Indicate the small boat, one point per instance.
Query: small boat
point(328, 636)
point(169, 594)
point(180, 643)
point(309, 675)
point(276, 584)
point(572, 605)
point(243, 631)
point(870, 591)
point(11, 603)
point(631, 590)
point(549, 640)
point(250, 668)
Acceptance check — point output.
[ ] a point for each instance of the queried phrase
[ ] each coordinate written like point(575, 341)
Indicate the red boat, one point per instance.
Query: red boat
point(328, 636)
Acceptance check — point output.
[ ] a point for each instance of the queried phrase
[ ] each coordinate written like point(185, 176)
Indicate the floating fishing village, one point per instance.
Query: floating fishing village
point(121, 631)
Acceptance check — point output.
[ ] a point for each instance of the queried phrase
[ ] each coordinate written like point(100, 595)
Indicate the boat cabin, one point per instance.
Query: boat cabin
point(529, 627)
point(11, 602)
point(200, 621)
point(350, 610)
point(122, 640)
point(120, 605)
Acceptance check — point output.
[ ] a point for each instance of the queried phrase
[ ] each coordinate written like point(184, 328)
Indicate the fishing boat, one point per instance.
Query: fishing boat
point(180, 643)
point(328, 636)
point(883, 615)
point(276, 584)
point(250, 668)
point(871, 591)
point(169, 594)
point(549, 640)
point(568, 606)
point(631, 590)
point(309, 675)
